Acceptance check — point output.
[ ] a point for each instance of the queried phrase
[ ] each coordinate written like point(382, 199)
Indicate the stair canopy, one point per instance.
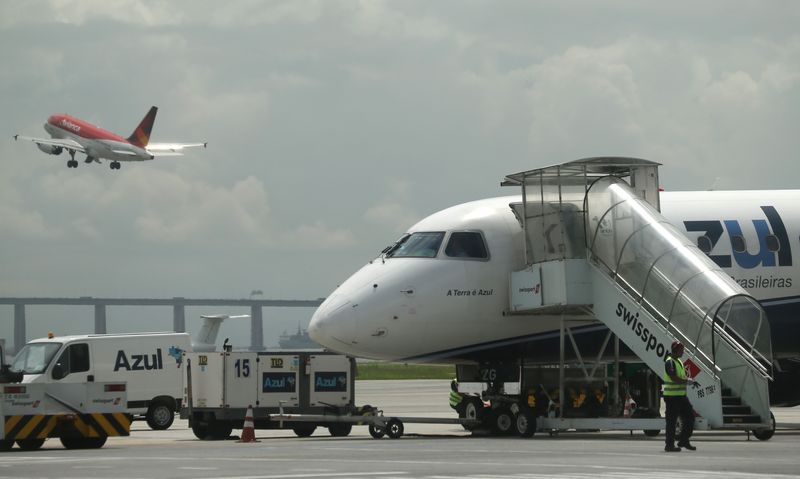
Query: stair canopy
point(692, 298)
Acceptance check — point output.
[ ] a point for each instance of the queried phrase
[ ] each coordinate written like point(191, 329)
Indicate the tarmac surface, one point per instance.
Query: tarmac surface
point(425, 451)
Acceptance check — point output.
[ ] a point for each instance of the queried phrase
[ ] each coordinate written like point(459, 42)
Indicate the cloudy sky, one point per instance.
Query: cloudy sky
point(335, 125)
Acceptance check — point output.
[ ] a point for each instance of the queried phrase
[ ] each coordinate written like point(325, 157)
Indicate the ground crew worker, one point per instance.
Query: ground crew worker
point(677, 403)
point(455, 396)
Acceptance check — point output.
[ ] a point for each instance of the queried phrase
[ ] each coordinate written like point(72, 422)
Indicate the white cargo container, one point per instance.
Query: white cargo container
point(220, 386)
point(150, 364)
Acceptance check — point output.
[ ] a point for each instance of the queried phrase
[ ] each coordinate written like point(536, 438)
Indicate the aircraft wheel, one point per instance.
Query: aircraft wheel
point(503, 421)
point(525, 424)
point(394, 429)
point(376, 431)
point(766, 434)
point(30, 444)
point(115, 165)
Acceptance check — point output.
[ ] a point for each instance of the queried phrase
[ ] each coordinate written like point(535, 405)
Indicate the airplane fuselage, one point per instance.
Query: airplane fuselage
point(97, 142)
point(443, 307)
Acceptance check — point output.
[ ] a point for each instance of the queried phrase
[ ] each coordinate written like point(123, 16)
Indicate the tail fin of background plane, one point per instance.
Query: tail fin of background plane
point(141, 135)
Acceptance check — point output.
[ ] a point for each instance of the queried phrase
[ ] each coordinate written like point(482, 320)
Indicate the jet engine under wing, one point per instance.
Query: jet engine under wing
point(61, 143)
point(171, 149)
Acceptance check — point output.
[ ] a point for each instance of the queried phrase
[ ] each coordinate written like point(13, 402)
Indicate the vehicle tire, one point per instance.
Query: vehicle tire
point(341, 429)
point(648, 414)
point(376, 431)
point(200, 430)
point(525, 423)
point(503, 421)
point(30, 444)
point(83, 442)
point(219, 430)
point(472, 408)
point(394, 428)
point(766, 434)
point(304, 430)
point(6, 445)
point(160, 415)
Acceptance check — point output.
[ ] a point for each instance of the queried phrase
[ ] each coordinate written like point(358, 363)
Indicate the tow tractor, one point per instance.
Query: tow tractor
point(81, 415)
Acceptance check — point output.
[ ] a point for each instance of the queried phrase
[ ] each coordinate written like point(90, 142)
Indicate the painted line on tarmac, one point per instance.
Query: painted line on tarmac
point(328, 474)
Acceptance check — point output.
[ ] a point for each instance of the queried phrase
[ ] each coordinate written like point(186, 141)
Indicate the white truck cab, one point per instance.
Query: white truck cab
point(150, 364)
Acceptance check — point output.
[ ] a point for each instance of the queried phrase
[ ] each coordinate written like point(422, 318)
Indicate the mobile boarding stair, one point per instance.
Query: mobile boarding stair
point(600, 249)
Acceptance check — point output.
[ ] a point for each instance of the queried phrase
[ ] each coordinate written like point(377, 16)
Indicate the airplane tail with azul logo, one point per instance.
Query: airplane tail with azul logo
point(141, 135)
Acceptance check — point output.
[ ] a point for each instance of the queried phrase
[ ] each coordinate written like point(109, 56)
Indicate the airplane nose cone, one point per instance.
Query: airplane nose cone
point(333, 324)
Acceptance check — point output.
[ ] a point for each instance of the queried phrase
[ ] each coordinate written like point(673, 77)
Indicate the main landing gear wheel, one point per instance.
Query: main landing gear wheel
point(766, 434)
point(72, 163)
point(115, 165)
point(503, 421)
point(525, 424)
point(394, 428)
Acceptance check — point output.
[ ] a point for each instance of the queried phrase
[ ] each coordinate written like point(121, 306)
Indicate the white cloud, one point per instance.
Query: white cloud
point(732, 90)
point(393, 210)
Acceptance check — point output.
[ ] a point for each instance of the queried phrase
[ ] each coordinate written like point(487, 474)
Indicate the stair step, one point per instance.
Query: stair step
point(741, 418)
point(731, 401)
point(727, 392)
point(736, 410)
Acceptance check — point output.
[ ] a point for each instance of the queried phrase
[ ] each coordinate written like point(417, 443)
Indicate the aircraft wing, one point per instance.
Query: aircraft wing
point(171, 149)
point(62, 143)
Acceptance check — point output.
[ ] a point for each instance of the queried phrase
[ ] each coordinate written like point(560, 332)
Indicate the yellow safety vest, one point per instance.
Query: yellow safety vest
point(455, 399)
point(673, 389)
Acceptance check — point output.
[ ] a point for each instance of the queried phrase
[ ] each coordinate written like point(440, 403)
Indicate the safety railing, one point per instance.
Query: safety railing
point(688, 293)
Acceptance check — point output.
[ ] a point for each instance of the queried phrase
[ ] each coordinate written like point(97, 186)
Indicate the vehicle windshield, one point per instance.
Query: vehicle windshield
point(33, 358)
point(418, 245)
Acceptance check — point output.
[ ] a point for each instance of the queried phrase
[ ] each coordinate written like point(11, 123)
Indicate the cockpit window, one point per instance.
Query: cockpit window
point(463, 244)
point(418, 245)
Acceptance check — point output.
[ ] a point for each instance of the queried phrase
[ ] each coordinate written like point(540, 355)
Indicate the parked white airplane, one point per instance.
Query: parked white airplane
point(441, 292)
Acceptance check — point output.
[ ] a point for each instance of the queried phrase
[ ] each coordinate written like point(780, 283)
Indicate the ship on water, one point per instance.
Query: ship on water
point(298, 340)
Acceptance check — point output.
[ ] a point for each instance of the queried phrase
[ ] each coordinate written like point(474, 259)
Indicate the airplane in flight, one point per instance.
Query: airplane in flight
point(77, 136)
point(441, 293)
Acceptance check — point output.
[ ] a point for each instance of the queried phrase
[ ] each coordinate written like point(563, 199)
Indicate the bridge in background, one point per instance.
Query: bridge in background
point(178, 311)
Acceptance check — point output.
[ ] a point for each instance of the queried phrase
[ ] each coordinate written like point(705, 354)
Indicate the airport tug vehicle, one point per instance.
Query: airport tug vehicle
point(82, 415)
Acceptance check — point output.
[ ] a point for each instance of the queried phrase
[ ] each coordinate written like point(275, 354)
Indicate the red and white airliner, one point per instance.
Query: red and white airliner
point(75, 135)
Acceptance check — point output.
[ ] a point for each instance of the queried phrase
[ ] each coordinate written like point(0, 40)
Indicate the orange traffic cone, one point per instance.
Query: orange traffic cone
point(249, 430)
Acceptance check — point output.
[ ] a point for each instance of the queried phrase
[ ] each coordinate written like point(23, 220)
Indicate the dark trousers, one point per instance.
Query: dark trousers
point(679, 406)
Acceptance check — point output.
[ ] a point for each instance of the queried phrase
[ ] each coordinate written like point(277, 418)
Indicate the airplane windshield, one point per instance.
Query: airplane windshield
point(33, 358)
point(418, 245)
